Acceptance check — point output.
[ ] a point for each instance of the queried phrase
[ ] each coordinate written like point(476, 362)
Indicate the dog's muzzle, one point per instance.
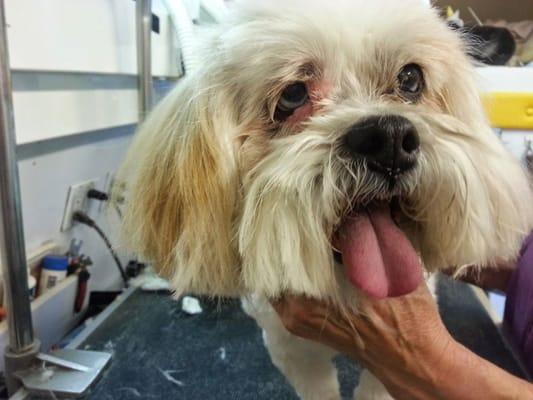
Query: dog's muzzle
point(389, 144)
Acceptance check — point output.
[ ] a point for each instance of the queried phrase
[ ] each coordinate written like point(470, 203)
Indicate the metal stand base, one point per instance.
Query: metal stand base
point(17, 362)
point(64, 373)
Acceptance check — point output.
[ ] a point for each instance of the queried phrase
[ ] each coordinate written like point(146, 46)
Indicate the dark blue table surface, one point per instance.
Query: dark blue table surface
point(161, 353)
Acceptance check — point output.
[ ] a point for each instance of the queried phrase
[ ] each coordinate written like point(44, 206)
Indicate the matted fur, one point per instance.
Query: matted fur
point(224, 201)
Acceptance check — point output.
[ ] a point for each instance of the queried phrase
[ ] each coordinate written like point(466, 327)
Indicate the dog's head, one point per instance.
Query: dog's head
point(309, 128)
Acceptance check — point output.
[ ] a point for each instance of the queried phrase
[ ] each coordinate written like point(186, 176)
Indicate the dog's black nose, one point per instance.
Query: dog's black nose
point(389, 143)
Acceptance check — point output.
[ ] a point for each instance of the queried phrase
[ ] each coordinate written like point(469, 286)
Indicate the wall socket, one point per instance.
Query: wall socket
point(108, 186)
point(76, 201)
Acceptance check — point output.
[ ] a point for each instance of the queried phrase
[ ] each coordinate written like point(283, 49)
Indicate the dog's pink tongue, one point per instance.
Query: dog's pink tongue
point(378, 258)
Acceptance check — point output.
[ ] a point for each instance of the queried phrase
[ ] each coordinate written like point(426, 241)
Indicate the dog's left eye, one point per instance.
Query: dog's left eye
point(411, 81)
point(294, 96)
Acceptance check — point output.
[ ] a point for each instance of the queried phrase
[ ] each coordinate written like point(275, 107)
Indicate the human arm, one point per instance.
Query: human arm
point(404, 343)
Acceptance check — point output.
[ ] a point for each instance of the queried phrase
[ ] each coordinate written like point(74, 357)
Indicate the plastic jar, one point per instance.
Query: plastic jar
point(54, 270)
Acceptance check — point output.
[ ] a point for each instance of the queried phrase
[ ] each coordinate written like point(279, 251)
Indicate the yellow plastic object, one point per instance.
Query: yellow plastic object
point(509, 110)
point(449, 12)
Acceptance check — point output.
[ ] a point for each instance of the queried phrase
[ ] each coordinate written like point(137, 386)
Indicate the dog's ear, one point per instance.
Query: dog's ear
point(180, 176)
point(484, 191)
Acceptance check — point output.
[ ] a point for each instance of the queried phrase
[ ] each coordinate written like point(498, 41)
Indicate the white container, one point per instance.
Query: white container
point(32, 286)
point(54, 270)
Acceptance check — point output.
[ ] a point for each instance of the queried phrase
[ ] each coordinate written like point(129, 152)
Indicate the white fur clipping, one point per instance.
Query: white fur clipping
point(191, 305)
point(150, 282)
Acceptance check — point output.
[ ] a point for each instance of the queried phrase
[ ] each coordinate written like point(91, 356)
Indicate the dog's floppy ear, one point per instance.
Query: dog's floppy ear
point(483, 191)
point(181, 190)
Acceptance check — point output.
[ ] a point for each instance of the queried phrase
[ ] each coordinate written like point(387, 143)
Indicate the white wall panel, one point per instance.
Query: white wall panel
point(85, 36)
point(50, 114)
point(46, 171)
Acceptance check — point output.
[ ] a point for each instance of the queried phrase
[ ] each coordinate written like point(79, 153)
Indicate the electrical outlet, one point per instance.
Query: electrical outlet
point(117, 188)
point(76, 201)
point(107, 188)
point(108, 182)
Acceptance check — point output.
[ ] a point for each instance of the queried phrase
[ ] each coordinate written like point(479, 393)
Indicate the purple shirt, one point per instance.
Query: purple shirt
point(518, 316)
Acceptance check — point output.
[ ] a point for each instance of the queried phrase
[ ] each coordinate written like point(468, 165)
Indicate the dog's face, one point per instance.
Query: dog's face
point(309, 130)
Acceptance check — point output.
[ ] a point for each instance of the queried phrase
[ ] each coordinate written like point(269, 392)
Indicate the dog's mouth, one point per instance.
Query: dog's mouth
point(377, 257)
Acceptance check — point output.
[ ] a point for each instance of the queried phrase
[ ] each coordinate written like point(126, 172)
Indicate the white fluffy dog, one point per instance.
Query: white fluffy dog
point(315, 126)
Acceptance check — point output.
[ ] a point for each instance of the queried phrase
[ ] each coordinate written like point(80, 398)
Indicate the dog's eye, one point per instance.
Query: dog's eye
point(294, 96)
point(411, 81)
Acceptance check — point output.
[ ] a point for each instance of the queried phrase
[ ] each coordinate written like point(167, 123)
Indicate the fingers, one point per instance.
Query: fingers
point(292, 308)
point(494, 277)
point(289, 310)
point(379, 329)
point(297, 313)
point(279, 305)
point(421, 293)
point(296, 304)
point(318, 321)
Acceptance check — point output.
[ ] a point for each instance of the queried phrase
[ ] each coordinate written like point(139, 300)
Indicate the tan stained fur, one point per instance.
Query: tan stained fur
point(224, 201)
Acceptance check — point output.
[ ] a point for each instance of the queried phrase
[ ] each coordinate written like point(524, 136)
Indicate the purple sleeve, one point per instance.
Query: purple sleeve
point(518, 316)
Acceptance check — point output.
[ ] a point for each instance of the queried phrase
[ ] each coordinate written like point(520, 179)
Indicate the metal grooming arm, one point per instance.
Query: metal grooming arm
point(67, 372)
point(22, 346)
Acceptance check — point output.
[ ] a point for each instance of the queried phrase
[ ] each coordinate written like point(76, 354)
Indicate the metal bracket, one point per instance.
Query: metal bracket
point(64, 373)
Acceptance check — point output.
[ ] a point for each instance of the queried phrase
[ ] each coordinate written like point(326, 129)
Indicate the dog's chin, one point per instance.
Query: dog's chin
point(378, 258)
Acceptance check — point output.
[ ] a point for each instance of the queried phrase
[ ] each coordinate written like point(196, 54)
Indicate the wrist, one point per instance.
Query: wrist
point(417, 371)
point(466, 376)
point(447, 370)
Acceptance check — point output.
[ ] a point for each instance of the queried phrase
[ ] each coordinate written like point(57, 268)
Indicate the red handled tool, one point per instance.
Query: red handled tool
point(83, 282)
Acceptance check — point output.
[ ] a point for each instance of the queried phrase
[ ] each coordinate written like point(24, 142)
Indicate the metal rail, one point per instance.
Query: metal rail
point(12, 248)
point(22, 346)
point(144, 55)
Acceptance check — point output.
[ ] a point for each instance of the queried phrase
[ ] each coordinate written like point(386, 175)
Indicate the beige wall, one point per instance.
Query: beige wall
point(511, 10)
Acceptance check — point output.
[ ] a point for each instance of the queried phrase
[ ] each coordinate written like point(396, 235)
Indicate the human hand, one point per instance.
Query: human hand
point(398, 339)
point(489, 278)
point(404, 343)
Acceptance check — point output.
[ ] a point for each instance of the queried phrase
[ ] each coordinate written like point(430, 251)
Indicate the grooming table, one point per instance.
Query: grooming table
point(159, 352)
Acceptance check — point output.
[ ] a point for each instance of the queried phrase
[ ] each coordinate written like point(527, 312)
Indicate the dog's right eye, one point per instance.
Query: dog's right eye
point(294, 96)
point(411, 82)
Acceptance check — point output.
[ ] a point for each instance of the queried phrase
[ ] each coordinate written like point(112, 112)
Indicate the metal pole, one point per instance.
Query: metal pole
point(144, 55)
point(22, 345)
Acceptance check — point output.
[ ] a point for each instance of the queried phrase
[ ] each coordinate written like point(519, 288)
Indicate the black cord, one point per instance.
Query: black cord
point(97, 195)
point(86, 220)
point(103, 196)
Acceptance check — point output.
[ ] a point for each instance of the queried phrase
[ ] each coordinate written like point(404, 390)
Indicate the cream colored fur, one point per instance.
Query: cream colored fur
point(225, 201)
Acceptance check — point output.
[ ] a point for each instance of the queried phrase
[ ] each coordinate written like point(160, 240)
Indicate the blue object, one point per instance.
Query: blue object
point(55, 263)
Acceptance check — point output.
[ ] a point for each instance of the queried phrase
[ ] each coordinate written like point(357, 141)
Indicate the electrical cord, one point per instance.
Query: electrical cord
point(97, 195)
point(83, 218)
point(134, 267)
point(103, 196)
